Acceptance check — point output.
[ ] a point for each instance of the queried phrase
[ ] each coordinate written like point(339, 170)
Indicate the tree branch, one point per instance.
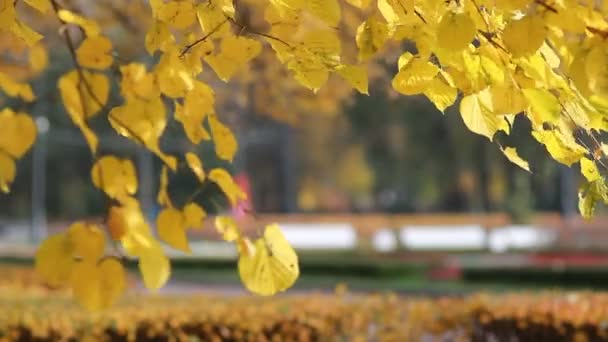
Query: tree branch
point(72, 49)
point(546, 6)
point(203, 38)
point(250, 31)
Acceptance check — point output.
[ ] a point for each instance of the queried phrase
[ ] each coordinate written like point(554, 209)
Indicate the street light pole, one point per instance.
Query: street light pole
point(38, 228)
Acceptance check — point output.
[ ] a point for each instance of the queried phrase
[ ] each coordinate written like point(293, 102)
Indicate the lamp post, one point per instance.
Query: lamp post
point(38, 228)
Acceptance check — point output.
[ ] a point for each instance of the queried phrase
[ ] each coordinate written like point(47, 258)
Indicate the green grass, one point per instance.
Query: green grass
point(367, 273)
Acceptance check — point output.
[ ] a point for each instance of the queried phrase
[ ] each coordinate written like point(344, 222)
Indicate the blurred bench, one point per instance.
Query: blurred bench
point(321, 236)
point(444, 238)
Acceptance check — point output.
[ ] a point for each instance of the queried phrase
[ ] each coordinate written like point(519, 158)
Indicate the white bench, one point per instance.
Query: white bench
point(444, 237)
point(384, 240)
point(309, 236)
point(520, 237)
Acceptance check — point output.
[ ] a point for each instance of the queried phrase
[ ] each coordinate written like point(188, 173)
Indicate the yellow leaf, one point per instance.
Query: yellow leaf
point(550, 56)
point(88, 240)
point(174, 78)
point(356, 76)
point(116, 177)
point(54, 260)
point(18, 133)
point(595, 75)
point(441, 94)
point(212, 16)
point(38, 58)
point(456, 31)
point(29, 36)
point(589, 194)
point(245, 247)
point(586, 205)
point(525, 36)
point(415, 77)
point(163, 194)
point(179, 14)
point(223, 179)
point(192, 124)
point(507, 99)
point(284, 22)
point(83, 99)
point(227, 227)
point(493, 71)
point(143, 121)
point(476, 111)
point(359, 3)
point(288, 5)
point(97, 286)
point(198, 103)
point(395, 11)
point(13, 88)
point(8, 170)
point(136, 235)
point(7, 14)
point(511, 154)
point(193, 59)
point(42, 6)
point(194, 216)
point(158, 37)
point(272, 267)
point(544, 106)
point(234, 54)
point(311, 60)
point(589, 170)
point(171, 229)
point(326, 10)
point(313, 78)
point(196, 166)
point(371, 36)
point(95, 53)
point(154, 267)
point(512, 5)
point(137, 82)
point(404, 59)
point(566, 19)
point(225, 142)
point(90, 27)
point(324, 44)
point(117, 222)
point(559, 146)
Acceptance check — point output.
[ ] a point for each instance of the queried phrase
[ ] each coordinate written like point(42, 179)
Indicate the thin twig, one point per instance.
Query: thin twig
point(419, 15)
point(600, 32)
point(250, 31)
point(203, 38)
point(485, 20)
point(546, 6)
point(72, 49)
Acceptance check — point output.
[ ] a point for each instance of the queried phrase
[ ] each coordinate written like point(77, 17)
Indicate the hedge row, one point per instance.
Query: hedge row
point(30, 312)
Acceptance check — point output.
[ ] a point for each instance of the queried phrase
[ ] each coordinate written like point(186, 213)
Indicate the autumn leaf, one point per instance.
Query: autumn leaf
point(224, 180)
point(116, 177)
point(272, 266)
point(171, 229)
point(225, 142)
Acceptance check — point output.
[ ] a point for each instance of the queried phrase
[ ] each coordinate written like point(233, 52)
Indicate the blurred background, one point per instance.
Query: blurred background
point(377, 192)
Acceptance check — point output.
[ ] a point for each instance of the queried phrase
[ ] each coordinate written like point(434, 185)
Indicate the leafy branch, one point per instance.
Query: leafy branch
point(250, 31)
point(203, 38)
point(489, 36)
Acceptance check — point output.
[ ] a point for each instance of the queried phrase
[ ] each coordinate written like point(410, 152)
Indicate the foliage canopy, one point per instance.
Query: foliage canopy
point(542, 59)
